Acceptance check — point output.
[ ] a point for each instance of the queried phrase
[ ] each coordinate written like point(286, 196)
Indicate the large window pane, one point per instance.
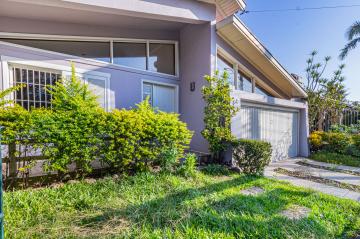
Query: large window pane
point(130, 54)
point(162, 58)
point(244, 82)
point(261, 91)
point(87, 49)
point(223, 65)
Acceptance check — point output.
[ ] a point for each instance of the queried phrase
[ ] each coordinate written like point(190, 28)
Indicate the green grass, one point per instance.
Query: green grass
point(336, 158)
point(168, 206)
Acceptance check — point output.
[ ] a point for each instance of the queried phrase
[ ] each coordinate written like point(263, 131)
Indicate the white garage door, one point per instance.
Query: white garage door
point(279, 127)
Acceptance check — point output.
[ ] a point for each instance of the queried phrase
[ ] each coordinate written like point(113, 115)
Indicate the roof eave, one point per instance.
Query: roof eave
point(245, 32)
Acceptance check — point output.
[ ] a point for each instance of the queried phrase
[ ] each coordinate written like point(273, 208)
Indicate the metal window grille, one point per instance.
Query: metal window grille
point(35, 81)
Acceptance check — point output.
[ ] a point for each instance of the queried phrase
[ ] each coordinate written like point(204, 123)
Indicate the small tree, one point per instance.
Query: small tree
point(72, 132)
point(218, 112)
point(326, 96)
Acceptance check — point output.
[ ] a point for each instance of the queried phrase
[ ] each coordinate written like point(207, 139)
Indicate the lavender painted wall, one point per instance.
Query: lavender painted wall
point(196, 50)
point(18, 25)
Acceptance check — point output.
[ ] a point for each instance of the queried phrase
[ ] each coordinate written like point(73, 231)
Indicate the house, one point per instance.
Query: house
point(131, 49)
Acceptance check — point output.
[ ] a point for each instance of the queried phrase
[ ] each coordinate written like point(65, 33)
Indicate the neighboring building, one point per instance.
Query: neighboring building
point(130, 49)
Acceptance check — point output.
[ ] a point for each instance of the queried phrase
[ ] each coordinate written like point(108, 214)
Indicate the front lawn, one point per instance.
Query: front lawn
point(167, 206)
point(335, 158)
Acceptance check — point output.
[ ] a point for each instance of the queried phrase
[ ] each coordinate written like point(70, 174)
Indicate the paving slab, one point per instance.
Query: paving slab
point(341, 177)
point(290, 165)
point(331, 165)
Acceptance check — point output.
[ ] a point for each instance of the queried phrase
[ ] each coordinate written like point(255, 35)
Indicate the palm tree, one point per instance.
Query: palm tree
point(353, 36)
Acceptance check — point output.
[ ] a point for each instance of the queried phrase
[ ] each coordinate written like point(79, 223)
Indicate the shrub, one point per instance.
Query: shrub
point(330, 141)
point(219, 110)
point(139, 138)
point(252, 155)
point(168, 159)
point(356, 140)
point(73, 131)
point(316, 140)
point(188, 167)
point(336, 142)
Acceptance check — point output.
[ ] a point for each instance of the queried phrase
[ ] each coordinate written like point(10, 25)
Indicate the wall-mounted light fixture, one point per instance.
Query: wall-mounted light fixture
point(192, 86)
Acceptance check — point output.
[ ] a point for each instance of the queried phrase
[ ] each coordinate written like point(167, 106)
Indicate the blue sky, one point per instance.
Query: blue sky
point(291, 36)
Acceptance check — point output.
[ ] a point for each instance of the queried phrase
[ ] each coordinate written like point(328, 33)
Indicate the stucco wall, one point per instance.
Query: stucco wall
point(196, 52)
point(18, 25)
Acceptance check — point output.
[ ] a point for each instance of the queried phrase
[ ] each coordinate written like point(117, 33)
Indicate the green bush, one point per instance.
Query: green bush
point(188, 167)
point(356, 140)
point(168, 159)
point(139, 138)
point(77, 131)
point(336, 142)
point(252, 155)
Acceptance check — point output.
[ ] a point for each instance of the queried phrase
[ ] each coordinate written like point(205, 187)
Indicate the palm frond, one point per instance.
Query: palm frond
point(354, 30)
point(349, 46)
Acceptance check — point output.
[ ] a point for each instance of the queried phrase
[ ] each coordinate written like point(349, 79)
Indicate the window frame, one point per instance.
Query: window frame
point(175, 86)
point(109, 40)
point(238, 66)
point(7, 62)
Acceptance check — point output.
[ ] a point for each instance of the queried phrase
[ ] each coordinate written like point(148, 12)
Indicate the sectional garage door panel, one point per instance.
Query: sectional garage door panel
point(279, 127)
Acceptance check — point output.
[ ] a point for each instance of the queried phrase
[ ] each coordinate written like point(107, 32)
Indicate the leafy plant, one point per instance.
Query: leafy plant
point(337, 142)
point(168, 159)
point(218, 112)
point(316, 140)
point(4, 95)
point(73, 131)
point(326, 96)
point(353, 37)
point(142, 137)
point(188, 167)
point(252, 155)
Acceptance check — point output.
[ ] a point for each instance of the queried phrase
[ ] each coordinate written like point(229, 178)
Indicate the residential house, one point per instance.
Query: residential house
point(130, 49)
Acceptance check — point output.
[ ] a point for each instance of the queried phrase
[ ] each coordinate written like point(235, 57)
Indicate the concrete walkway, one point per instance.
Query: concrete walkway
point(291, 165)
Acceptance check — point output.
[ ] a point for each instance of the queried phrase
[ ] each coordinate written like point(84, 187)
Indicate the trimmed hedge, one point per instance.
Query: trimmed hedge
point(77, 131)
point(252, 155)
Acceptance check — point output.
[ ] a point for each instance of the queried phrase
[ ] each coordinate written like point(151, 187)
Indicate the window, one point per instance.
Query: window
point(87, 49)
point(148, 92)
point(244, 82)
point(152, 55)
point(259, 90)
point(223, 65)
point(162, 58)
point(130, 54)
point(35, 81)
point(162, 97)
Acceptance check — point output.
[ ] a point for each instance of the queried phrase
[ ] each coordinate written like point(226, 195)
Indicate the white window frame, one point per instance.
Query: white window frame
point(175, 86)
point(111, 42)
point(8, 61)
point(238, 66)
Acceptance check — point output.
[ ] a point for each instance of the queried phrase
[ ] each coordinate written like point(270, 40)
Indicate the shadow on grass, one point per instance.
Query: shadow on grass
point(235, 214)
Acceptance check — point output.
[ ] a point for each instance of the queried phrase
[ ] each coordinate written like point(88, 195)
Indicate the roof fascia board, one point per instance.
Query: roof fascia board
point(261, 48)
